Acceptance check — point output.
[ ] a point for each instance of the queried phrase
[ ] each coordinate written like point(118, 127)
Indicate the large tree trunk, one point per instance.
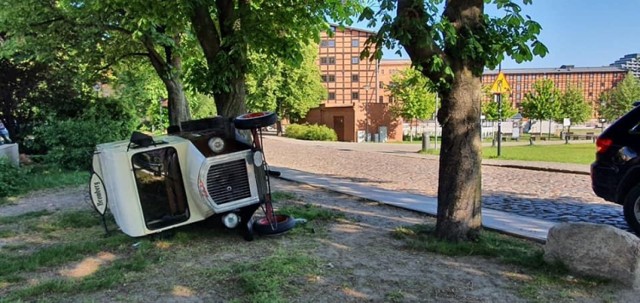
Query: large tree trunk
point(459, 188)
point(170, 69)
point(232, 104)
point(178, 106)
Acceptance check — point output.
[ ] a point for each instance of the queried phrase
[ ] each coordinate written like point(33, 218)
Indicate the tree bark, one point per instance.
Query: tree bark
point(230, 95)
point(170, 69)
point(459, 189)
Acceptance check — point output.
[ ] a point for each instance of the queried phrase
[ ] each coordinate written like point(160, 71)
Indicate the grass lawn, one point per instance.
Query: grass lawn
point(563, 153)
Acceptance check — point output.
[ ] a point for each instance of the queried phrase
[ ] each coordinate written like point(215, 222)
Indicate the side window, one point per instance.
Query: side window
point(160, 187)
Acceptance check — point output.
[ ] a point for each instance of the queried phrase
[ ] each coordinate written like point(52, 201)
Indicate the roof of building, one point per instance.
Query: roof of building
point(338, 26)
point(561, 70)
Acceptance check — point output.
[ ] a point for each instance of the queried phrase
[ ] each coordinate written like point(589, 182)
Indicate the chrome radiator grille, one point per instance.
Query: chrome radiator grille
point(227, 182)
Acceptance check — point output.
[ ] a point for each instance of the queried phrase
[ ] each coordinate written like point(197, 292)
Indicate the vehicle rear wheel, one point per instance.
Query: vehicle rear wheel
point(631, 209)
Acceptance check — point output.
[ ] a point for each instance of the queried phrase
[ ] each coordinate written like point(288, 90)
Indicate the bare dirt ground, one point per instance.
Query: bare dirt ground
point(359, 261)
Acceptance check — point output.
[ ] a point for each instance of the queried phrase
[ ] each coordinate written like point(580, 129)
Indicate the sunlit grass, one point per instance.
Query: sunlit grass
point(562, 153)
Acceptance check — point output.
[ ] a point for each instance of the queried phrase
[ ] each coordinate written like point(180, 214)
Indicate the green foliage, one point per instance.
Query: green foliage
point(413, 95)
point(311, 212)
point(311, 132)
point(573, 106)
point(12, 178)
point(489, 244)
point(268, 280)
point(70, 143)
point(202, 106)
point(277, 85)
point(492, 112)
point(436, 40)
point(619, 100)
point(542, 102)
point(139, 88)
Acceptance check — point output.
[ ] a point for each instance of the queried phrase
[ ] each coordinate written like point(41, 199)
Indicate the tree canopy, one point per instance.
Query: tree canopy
point(620, 99)
point(573, 106)
point(277, 85)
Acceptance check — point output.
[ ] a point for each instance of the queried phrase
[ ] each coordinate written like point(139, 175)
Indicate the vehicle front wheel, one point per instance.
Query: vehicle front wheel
point(631, 209)
point(277, 225)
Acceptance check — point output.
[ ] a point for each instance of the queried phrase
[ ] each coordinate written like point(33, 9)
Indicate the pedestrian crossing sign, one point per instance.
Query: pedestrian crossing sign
point(500, 86)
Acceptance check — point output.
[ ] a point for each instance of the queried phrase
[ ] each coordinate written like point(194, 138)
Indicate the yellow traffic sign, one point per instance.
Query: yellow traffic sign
point(500, 86)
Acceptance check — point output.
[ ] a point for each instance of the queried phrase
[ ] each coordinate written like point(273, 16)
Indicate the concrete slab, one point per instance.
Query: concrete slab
point(10, 151)
point(516, 225)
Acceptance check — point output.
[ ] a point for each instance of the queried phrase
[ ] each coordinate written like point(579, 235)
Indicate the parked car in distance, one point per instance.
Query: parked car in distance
point(615, 174)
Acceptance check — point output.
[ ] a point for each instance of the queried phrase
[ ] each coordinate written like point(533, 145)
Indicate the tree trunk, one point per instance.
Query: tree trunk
point(459, 188)
point(232, 104)
point(170, 70)
point(459, 185)
point(178, 106)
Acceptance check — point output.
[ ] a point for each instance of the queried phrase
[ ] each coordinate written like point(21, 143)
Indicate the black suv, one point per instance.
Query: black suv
point(615, 175)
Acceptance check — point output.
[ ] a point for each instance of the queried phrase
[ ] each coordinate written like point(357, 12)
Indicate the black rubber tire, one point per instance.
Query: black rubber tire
point(247, 231)
point(631, 209)
point(284, 223)
point(255, 120)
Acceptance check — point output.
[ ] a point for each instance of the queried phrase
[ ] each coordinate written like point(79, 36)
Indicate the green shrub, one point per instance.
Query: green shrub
point(12, 178)
point(70, 143)
point(311, 132)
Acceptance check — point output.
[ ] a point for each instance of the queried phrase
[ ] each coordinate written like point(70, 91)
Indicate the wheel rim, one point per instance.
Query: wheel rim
point(253, 115)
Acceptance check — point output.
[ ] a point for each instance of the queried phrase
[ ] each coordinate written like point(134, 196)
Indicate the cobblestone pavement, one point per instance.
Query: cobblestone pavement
point(554, 196)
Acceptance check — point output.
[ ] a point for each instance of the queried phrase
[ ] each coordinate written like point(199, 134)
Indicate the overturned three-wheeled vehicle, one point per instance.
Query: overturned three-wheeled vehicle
point(201, 168)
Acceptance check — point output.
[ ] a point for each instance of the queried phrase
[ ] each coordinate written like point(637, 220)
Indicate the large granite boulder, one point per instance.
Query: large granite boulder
point(595, 250)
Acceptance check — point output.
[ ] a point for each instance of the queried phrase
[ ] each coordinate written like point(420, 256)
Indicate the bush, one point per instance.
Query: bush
point(70, 143)
point(311, 132)
point(12, 178)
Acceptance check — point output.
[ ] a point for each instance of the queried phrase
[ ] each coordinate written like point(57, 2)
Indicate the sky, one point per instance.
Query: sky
point(584, 33)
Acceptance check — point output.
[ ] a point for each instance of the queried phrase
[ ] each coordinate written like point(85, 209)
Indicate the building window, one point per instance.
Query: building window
point(332, 96)
point(328, 78)
point(328, 43)
point(355, 43)
point(327, 60)
point(355, 78)
point(390, 99)
point(354, 60)
point(380, 84)
point(355, 95)
point(590, 95)
point(381, 98)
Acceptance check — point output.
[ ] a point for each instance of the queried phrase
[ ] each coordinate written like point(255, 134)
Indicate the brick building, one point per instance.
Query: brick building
point(357, 107)
point(593, 81)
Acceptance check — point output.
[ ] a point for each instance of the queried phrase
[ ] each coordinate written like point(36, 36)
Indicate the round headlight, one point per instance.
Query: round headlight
point(230, 220)
point(216, 144)
point(257, 158)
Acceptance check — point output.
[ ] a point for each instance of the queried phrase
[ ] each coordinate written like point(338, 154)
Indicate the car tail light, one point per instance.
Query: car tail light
point(603, 144)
